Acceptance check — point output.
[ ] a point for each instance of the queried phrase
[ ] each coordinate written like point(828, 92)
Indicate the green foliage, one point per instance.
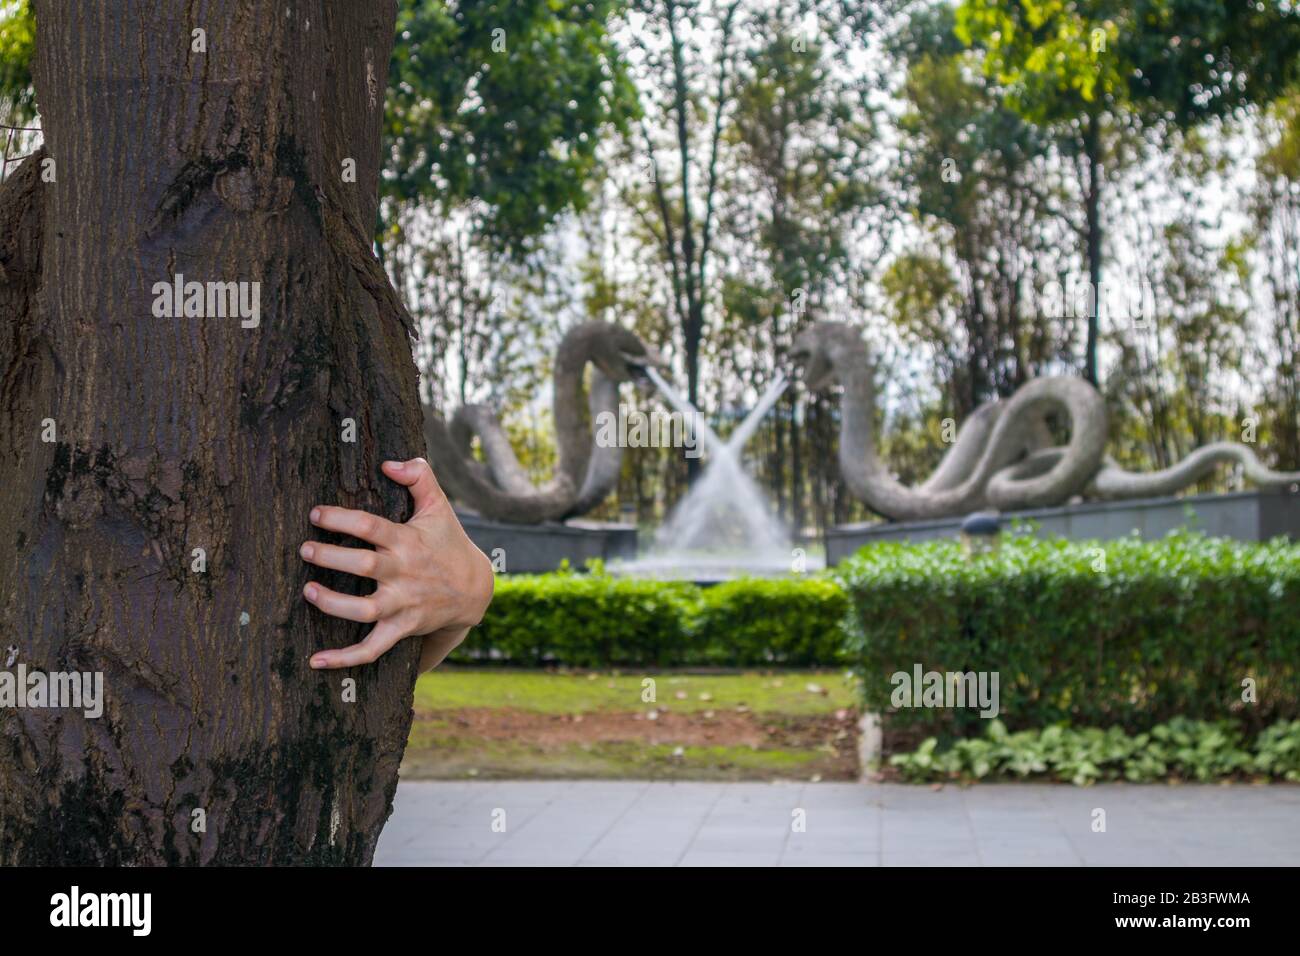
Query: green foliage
point(503, 102)
point(596, 620)
point(1277, 751)
point(1117, 633)
point(1282, 157)
point(1189, 59)
point(17, 45)
point(1182, 749)
point(584, 620)
point(793, 621)
point(977, 177)
point(803, 143)
point(1053, 56)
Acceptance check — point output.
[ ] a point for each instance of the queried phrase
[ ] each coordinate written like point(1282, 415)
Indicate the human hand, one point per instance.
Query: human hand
point(432, 580)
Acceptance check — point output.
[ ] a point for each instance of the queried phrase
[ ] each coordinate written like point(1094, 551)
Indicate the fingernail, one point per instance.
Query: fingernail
point(307, 550)
point(310, 591)
point(317, 663)
point(315, 515)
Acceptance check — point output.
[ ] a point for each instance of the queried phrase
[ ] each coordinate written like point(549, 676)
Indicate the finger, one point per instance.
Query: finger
point(359, 524)
point(377, 643)
point(419, 477)
point(360, 561)
point(367, 610)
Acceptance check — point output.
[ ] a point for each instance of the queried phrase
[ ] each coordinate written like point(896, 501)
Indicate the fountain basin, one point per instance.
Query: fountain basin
point(708, 568)
point(1243, 515)
point(539, 548)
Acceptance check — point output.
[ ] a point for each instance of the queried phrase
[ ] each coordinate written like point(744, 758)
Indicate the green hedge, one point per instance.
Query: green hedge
point(1118, 633)
point(595, 620)
point(1182, 749)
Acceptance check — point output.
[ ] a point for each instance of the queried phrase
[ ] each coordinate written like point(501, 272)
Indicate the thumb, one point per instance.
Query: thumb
point(418, 476)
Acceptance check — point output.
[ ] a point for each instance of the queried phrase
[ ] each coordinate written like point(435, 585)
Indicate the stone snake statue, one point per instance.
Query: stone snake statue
point(585, 472)
point(1003, 457)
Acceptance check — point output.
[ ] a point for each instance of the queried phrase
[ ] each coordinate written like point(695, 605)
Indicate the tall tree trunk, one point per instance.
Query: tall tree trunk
point(798, 511)
point(692, 333)
point(178, 434)
point(1092, 202)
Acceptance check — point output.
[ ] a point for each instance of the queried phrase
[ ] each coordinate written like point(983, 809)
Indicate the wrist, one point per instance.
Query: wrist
point(435, 647)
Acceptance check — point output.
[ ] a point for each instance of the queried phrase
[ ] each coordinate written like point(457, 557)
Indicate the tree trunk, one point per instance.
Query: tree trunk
point(692, 333)
point(1092, 150)
point(177, 434)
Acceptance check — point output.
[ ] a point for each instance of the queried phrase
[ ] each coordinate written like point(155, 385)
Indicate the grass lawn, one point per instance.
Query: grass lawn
point(515, 724)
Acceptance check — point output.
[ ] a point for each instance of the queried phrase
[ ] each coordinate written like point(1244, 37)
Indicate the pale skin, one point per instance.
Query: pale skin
point(431, 581)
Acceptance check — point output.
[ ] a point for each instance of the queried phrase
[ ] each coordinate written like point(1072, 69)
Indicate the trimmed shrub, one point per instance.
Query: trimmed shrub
point(595, 620)
point(583, 620)
point(796, 622)
point(1181, 749)
point(1118, 633)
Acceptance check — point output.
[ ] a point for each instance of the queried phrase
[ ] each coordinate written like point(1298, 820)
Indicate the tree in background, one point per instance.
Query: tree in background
point(503, 101)
point(979, 181)
point(798, 179)
point(1274, 207)
point(17, 97)
point(495, 114)
point(1080, 67)
point(686, 50)
point(1062, 69)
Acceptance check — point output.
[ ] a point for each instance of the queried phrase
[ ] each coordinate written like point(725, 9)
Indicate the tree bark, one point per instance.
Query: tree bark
point(175, 434)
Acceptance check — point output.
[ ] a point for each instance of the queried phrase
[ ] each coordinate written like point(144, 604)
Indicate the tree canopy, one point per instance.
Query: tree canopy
point(504, 102)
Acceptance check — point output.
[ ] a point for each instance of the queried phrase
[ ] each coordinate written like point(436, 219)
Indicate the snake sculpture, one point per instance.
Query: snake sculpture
point(1003, 457)
point(585, 471)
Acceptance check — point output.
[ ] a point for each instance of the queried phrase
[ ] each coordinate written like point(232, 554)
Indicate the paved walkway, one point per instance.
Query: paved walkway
point(630, 823)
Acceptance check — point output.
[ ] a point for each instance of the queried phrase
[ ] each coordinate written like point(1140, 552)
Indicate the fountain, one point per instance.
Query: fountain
point(724, 526)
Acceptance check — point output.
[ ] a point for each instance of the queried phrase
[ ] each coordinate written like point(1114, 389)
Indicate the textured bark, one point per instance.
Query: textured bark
point(184, 433)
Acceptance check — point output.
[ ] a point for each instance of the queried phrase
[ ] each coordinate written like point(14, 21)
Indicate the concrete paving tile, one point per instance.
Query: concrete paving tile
point(632, 823)
point(724, 859)
point(831, 860)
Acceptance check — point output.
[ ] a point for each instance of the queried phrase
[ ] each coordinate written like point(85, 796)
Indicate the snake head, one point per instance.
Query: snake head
point(640, 364)
point(820, 350)
point(623, 357)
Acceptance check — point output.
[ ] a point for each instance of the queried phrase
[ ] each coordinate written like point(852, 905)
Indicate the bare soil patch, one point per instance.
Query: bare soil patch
point(445, 742)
